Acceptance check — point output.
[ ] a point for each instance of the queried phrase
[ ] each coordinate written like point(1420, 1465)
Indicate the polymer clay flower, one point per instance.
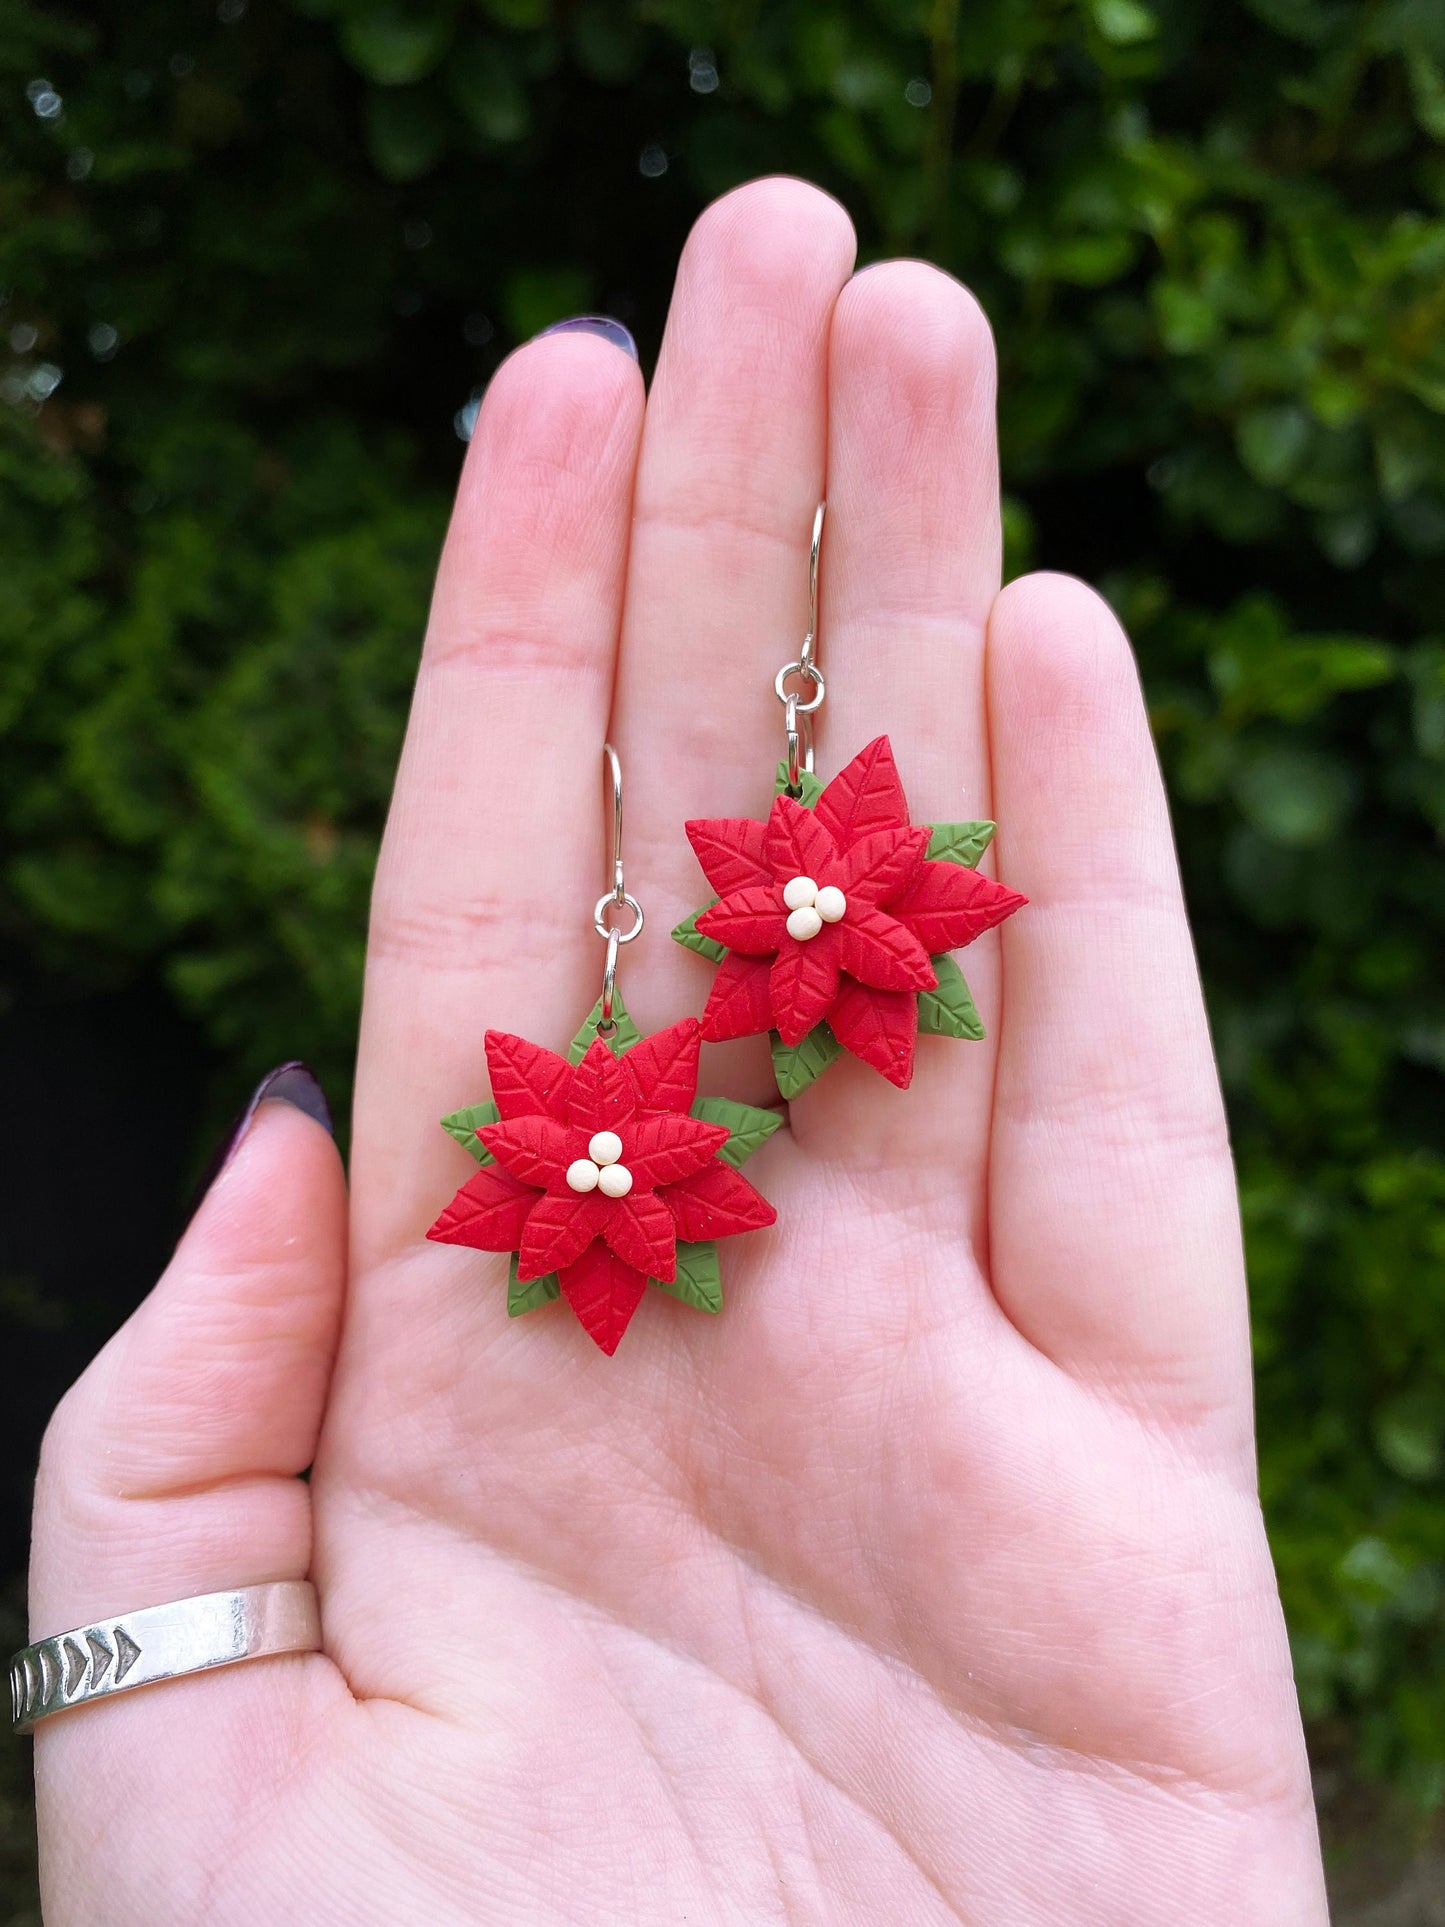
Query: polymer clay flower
point(834, 918)
point(596, 1170)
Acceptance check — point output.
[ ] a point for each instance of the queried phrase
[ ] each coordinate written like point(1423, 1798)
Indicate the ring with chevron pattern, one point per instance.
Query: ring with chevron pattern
point(156, 1643)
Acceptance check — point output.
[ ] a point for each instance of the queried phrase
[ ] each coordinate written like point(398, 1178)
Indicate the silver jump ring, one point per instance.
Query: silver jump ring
point(599, 916)
point(811, 673)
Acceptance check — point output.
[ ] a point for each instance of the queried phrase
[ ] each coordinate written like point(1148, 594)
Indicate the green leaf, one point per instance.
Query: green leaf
point(949, 1011)
point(392, 44)
point(796, 1069)
point(749, 1126)
point(463, 1126)
point(691, 938)
point(961, 843)
point(698, 1281)
point(624, 1032)
point(535, 1293)
point(810, 786)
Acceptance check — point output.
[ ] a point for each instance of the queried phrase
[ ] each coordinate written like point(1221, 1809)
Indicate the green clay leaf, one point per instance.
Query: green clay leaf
point(531, 1296)
point(961, 843)
point(624, 1032)
point(698, 1281)
point(691, 938)
point(949, 1011)
point(463, 1125)
point(796, 1069)
point(811, 786)
point(750, 1126)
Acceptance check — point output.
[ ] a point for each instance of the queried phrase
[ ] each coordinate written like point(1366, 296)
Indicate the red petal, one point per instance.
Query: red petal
point(731, 851)
point(803, 984)
point(880, 952)
point(740, 1003)
point(602, 1096)
point(488, 1213)
point(661, 1149)
point(559, 1230)
point(797, 843)
point(864, 796)
point(881, 865)
point(664, 1066)
point(880, 1026)
point(526, 1078)
point(717, 1202)
point(640, 1230)
point(947, 905)
point(535, 1149)
point(752, 921)
point(604, 1293)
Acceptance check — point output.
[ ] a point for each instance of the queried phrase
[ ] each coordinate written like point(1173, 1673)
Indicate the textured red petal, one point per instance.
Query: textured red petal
point(797, 844)
point(602, 1096)
point(535, 1149)
point(664, 1066)
point(947, 905)
point(558, 1230)
point(526, 1078)
point(879, 1026)
point(660, 1149)
point(489, 1213)
point(740, 1003)
point(730, 850)
point(881, 952)
point(865, 795)
point(604, 1292)
point(640, 1230)
point(716, 1202)
point(803, 984)
point(881, 865)
point(752, 921)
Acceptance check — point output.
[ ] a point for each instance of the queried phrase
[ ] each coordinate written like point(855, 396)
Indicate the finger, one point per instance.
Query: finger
point(730, 475)
point(171, 1469)
point(1114, 1222)
point(481, 913)
point(910, 567)
point(171, 1466)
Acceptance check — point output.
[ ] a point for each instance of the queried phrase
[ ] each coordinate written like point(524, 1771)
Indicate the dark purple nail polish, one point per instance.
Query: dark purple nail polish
point(294, 1084)
point(596, 324)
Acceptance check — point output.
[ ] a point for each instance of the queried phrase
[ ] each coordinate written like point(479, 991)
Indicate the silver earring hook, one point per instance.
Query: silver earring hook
point(616, 896)
point(797, 714)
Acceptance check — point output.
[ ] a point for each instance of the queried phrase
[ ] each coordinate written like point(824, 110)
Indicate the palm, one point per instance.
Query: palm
point(928, 1582)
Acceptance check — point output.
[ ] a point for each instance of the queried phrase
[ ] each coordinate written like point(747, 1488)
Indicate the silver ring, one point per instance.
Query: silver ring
point(159, 1643)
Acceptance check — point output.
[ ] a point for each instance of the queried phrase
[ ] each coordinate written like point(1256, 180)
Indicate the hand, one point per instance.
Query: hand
point(927, 1583)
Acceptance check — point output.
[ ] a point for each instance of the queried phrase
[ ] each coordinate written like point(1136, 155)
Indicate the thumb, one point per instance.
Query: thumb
point(171, 1466)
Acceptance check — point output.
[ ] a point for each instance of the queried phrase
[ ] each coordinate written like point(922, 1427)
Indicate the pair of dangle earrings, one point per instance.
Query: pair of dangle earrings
point(832, 926)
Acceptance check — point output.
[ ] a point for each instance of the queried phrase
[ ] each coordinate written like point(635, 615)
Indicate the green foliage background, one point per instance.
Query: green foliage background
point(256, 258)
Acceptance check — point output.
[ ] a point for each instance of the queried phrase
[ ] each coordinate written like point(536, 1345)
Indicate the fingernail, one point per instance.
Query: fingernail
point(292, 1083)
point(596, 324)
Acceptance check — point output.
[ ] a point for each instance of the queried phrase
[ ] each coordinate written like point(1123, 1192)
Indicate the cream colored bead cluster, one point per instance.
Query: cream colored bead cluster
point(809, 908)
point(602, 1169)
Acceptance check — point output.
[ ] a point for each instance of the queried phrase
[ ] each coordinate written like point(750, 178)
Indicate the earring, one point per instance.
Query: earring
point(603, 1171)
point(833, 920)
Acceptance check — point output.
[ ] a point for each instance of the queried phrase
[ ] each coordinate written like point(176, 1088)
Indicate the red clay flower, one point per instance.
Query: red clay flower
point(834, 913)
point(599, 1171)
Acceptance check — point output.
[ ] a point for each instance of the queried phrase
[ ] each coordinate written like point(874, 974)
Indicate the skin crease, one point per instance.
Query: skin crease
point(927, 1583)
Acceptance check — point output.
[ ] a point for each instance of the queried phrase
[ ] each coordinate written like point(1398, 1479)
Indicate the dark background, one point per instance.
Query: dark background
point(254, 261)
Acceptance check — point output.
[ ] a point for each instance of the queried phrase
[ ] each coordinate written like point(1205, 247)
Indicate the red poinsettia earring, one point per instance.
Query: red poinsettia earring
point(834, 918)
point(604, 1171)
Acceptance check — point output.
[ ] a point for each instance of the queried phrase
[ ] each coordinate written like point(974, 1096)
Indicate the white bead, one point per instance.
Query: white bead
point(605, 1147)
point(804, 923)
point(831, 903)
point(614, 1180)
point(799, 893)
point(582, 1174)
